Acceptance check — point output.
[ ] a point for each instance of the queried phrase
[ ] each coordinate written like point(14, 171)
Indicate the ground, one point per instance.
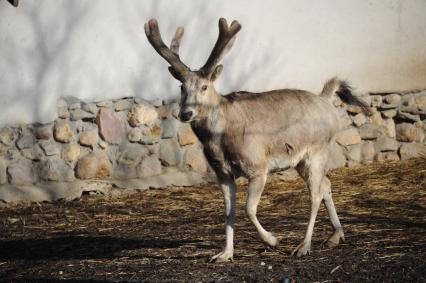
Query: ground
point(168, 235)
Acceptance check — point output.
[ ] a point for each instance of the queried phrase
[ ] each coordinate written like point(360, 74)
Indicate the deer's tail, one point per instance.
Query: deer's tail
point(344, 92)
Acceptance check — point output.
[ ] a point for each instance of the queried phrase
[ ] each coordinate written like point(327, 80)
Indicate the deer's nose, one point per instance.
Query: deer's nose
point(186, 116)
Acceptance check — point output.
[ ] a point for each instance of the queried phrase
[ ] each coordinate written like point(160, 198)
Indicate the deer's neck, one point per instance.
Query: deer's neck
point(213, 123)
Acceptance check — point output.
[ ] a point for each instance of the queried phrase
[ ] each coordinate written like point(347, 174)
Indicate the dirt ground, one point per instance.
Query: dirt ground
point(168, 235)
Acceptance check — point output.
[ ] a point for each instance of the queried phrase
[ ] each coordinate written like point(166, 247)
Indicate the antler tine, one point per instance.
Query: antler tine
point(223, 44)
point(170, 55)
point(174, 46)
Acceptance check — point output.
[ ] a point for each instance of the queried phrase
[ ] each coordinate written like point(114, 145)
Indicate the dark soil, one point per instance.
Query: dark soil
point(168, 235)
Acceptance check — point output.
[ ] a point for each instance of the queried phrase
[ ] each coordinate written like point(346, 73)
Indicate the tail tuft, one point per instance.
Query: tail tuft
point(344, 91)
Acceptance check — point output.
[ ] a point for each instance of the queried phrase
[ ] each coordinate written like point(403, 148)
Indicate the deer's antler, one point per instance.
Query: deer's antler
point(175, 44)
point(171, 54)
point(223, 44)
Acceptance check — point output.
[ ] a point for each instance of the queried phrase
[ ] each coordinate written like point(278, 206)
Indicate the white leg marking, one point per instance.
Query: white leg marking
point(229, 194)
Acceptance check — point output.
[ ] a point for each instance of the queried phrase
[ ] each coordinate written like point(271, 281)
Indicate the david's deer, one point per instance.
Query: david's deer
point(242, 131)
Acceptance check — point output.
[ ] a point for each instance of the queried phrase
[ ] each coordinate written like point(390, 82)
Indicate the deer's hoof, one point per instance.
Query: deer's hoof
point(334, 240)
point(270, 240)
point(223, 256)
point(302, 249)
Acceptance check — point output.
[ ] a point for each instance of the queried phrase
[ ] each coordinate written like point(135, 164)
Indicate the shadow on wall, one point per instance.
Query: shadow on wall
point(96, 50)
point(30, 65)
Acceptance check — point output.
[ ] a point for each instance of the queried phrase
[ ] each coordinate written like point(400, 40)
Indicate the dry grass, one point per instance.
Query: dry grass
point(168, 234)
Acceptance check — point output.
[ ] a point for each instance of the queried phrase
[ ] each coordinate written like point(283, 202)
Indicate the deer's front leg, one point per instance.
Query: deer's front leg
point(229, 194)
point(255, 189)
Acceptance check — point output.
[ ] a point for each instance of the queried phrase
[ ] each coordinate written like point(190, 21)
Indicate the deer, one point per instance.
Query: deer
point(241, 131)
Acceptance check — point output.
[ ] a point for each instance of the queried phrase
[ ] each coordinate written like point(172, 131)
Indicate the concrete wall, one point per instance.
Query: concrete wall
point(97, 49)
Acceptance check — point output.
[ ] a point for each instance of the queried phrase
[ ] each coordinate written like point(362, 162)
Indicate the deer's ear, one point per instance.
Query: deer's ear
point(216, 72)
point(174, 73)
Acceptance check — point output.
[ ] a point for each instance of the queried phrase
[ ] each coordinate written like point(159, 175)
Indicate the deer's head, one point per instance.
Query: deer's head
point(197, 91)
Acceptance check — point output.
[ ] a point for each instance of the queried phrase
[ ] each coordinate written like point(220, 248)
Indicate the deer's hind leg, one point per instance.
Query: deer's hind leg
point(329, 204)
point(311, 169)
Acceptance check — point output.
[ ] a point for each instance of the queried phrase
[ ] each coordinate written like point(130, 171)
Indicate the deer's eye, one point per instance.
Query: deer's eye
point(204, 87)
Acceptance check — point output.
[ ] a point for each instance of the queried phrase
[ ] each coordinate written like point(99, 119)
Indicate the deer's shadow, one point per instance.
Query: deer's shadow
point(84, 247)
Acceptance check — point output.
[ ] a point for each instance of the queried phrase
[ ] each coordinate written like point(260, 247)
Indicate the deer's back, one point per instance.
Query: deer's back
point(278, 120)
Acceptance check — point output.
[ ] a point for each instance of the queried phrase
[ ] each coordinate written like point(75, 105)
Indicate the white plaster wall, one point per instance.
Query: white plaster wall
point(97, 49)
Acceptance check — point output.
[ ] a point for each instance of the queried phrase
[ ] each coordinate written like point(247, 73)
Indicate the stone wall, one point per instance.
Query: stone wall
point(131, 138)
point(108, 140)
point(395, 129)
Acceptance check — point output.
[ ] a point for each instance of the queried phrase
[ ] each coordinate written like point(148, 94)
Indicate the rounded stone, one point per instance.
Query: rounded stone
point(90, 107)
point(353, 152)
point(79, 114)
point(63, 132)
point(376, 101)
point(27, 140)
point(131, 154)
point(368, 131)
point(3, 171)
point(170, 153)
point(174, 110)
point(112, 128)
point(375, 118)
point(359, 119)
point(63, 112)
point(3, 150)
point(420, 135)
point(157, 102)
point(348, 136)
point(123, 104)
point(169, 128)
point(407, 116)
point(388, 128)
point(151, 134)
point(104, 104)
point(367, 151)
point(408, 99)
point(420, 100)
point(385, 143)
point(149, 166)
point(34, 153)
point(164, 111)
point(194, 159)
point(389, 113)
point(22, 172)
point(94, 165)
point(44, 132)
point(8, 135)
point(72, 102)
point(410, 150)
point(354, 109)
point(143, 113)
point(89, 138)
point(388, 155)
point(336, 157)
point(70, 152)
point(406, 132)
point(134, 135)
point(49, 147)
point(393, 98)
point(185, 135)
point(55, 169)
